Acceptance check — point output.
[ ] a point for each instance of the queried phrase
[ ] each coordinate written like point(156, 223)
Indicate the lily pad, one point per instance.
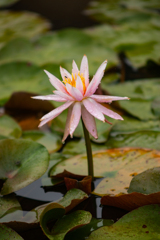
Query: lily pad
point(8, 233)
point(21, 163)
point(142, 223)
point(51, 141)
point(146, 182)
point(130, 125)
point(83, 232)
point(8, 202)
point(131, 201)
point(68, 223)
point(146, 89)
point(19, 76)
point(54, 211)
point(5, 3)
point(54, 159)
point(61, 48)
point(118, 166)
point(16, 24)
point(139, 108)
point(144, 139)
point(9, 127)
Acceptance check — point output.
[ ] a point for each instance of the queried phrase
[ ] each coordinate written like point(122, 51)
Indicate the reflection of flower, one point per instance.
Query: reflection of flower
point(77, 93)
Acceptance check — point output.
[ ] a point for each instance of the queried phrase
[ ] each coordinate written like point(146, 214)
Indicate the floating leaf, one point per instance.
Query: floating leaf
point(144, 139)
point(118, 166)
point(21, 163)
point(139, 108)
point(8, 202)
point(9, 127)
point(142, 223)
point(59, 47)
point(51, 141)
point(68, 223)
point(146, 89)
point(54, 159)
point(131, 201)
point(16, 24)
point(156, 106)
point(8, 233)
point(5, 3)
point(146, 182)
point(54, 211)
point(83, 232)
point(130, 125)
point(21, 76)
point(76, 147)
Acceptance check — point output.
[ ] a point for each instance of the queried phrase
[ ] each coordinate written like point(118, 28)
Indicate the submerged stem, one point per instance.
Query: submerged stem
point(89, 151)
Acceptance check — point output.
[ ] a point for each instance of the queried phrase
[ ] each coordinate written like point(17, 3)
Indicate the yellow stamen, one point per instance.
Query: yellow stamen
point(72, 81)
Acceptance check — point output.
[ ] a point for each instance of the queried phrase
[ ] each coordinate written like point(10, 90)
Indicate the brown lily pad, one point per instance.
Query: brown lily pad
point(131, 201)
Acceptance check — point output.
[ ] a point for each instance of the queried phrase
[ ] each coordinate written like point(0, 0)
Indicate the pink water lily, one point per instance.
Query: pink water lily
point(78, 94)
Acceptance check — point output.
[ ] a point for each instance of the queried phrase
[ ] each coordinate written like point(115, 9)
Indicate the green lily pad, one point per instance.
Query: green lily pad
point(141, 92)
point(21, 163)
point(76, 147)
point(55, 158)
point(54, 211)
point(8, 233)
point(130, 125)
point(9, 127)
point(51, 141)
point(5, 3)
point(83, 232)
point(69, 222)
point(146, 89)
point(17, 24)
point(8, 202)
point(144, 139)
point(61, 48)
point(146, 182)
point(118, 166)
point(139, 108)
point(142, 223)
point(19, 76)
point(139, 44)
point(120, 11)
point(156, 106)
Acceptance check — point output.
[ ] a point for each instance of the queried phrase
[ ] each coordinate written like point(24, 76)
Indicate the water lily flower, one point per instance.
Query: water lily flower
point(78, 94)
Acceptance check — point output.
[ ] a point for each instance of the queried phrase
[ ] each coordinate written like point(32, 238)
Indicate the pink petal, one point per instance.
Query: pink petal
point(104, 98)
point(74, 92)
point(75, 69)
point(89, 122)
point(96, 80)
point(85, 69)
point(54, 113)
point(64, 95)
point(79, 85)
point(56, 82)
point(51, 97)
point(92, 109)
point(65, 73)
point(67, 129)
point(108, 112)
point(75, 117)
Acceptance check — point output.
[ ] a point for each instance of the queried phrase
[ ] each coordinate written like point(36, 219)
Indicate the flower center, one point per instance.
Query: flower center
point(72, 81)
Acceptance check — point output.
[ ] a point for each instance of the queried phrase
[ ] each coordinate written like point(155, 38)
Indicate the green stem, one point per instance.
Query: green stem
point(89, 151)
